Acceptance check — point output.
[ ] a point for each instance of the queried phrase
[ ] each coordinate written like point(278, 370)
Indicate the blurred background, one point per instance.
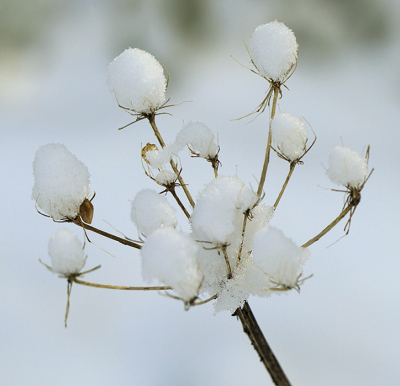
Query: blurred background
point(343, 329)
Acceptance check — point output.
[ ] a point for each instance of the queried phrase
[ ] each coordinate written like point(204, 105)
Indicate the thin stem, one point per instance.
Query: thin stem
point(152, 121)
point(205, 301)
point(120, 287)
point(180, 203)
point(228, 266)
point(292, 166)
point(268, 149)
point(88, 227)
point(329, 227)
point(242, 241)
point(257, 339)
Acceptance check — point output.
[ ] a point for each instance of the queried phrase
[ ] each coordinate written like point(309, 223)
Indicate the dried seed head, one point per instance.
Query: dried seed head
point(147, 148)
point(86, 211)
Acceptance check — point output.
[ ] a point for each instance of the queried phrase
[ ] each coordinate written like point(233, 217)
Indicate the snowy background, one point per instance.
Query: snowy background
point(343, 329)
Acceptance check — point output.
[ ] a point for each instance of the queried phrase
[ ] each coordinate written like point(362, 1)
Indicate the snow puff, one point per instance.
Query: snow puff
point(289, 135)
point(273, 49)
point(346, 167)
point(278, 256)
point(138, 81)
point(214, 215)
point(158, 158)
point(61, 181)
point(200, 139)
point(66, 253)
point(171, 257)
point(151, 211)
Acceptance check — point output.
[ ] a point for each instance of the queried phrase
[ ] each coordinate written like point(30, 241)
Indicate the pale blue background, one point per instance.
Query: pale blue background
point(343, 329)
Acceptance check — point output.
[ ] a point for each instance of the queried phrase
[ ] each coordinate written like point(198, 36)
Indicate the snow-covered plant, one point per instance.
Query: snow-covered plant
point(231, 252)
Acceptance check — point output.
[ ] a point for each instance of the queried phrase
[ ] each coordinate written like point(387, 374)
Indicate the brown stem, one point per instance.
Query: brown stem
point(180, 203)
point(292, 166)
point(228, 266)
point(257, 339)
point(329, 227)
point(120, 287)
point(242, 241)
point(106, 234)
point(152, 121)
point(268, 149)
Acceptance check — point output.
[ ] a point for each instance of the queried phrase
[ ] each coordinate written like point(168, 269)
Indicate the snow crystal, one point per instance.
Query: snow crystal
point(346, 167)
point(273, 49)
point(200, 139)
point(278, 256)
point(170, 256)
point(61, 181)
point(213, 217)
point(151, 211)
point(138, 81)
point(289, 135)
point(66, 253)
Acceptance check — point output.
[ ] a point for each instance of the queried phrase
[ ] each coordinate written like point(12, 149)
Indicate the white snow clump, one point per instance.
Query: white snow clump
point(219, 204)
point(157, 158)
point(278, 256)
point(199, 138)
point(346, 167)
point(170, 256)
point(289, 135)
point(151, 211)
point(61, 181)
point(138, 81)
point(273, 50)
point(165, 177)
point(66, 253)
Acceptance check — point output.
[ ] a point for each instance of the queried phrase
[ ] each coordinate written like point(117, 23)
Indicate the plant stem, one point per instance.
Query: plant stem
point(292, 166)
point(88, 227)
point(257, 339)
point(268, 149)
point(242, 241)
point(228, 266)
point(120, 287)
point(180, 203)
point(152, 121)
point(329, 227)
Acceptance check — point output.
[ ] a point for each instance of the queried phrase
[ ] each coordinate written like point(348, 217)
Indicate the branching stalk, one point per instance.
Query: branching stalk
point(268, 149)
point(120, 287)
point(173, 164)
point(257, 339)
point(88, 227)
point(180, 203)
point(228, 266)
point(292, 166)
point(329, 227)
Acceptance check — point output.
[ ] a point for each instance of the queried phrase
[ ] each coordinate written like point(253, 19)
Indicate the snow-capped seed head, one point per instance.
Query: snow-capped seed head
point(273, 50)
point(278, 256)
point(138, 81)
point(289, 135)
point(171, 257)
point(150, 147)
point(166, 178)
point(61, 182)
point(66, 253)
point(199, 138)
point(151, 211)
point(346, 167)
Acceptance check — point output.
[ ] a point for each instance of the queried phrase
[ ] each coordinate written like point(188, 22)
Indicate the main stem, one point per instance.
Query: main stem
point(268, 149)
point(267, 357)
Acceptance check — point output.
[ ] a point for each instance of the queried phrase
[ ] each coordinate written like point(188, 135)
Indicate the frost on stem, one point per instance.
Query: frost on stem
point(138, 81)
point(151, 211)
point(171, 257)
point(61, 182)
point(279, 257)
point(289, 136)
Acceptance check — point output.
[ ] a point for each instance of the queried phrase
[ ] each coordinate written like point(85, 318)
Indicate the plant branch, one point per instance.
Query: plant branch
point(88, 227)
point(152, 121)
point(268, 149)
point(329, 227)
point(172, 191)
point(119, 287)
point(257, 339)
point(292, 166)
